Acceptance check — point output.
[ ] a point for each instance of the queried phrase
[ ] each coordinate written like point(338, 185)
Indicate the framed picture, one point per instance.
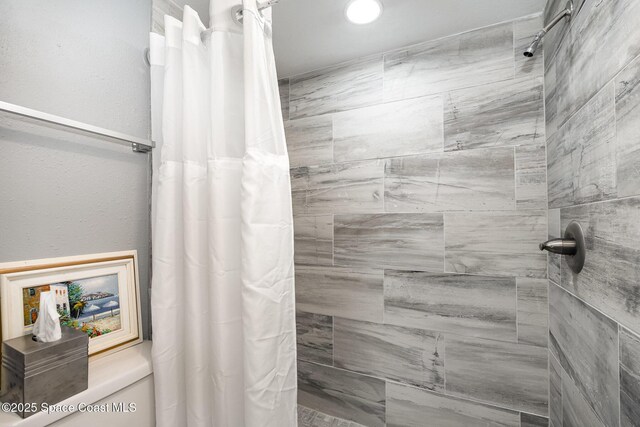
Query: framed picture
point(98, 294)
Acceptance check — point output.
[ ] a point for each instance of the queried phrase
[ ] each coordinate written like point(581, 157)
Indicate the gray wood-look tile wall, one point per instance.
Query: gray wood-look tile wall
point(420, 195)
point(592, 102)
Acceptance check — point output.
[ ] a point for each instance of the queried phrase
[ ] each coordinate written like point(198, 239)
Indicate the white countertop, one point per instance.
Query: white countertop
point(107, 375)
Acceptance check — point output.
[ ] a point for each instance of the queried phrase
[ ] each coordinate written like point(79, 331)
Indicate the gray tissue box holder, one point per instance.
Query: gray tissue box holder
point(44, 372)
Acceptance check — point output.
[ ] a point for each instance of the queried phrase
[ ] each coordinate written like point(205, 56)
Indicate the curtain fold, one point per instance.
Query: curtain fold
point(222, 289)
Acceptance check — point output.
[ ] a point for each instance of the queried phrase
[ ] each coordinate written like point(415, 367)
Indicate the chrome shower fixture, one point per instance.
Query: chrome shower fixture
point(238, 11)
point(566, 13)
point(572, 246)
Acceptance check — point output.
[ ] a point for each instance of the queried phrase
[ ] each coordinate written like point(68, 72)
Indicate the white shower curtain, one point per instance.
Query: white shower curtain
point(222, 290)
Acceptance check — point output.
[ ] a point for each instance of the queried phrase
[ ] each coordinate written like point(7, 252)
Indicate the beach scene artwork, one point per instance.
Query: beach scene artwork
point(91, 304)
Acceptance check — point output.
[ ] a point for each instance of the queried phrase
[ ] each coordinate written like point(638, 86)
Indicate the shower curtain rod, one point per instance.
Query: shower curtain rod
point(237, 13)
point(138, 145)
point(238, 10)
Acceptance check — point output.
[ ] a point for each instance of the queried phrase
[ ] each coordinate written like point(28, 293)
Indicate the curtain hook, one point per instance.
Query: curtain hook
point(147, 57)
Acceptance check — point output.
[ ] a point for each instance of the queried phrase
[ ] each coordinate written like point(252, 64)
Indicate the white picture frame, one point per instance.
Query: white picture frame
point(118, 270)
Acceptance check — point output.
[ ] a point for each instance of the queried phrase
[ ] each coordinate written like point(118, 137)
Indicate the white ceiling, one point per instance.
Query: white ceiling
point(311, 34)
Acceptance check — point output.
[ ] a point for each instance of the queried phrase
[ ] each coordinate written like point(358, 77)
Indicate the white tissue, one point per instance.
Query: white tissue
point(47, 326)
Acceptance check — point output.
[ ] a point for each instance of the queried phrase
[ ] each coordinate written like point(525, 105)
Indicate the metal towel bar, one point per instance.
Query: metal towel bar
point(138, 145)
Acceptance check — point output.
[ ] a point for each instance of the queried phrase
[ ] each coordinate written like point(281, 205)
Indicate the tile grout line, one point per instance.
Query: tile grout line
point(615, 199)
point(472, 150)
point(517, 322)
point(288, 99)
point(550, 356)
point(333, 341)
point(548, 342)
point(618, 378)
point(467, 399)
point(515, 178)
point(556, 359)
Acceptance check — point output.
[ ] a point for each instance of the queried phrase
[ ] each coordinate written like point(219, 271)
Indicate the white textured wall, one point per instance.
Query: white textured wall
point(63, 193)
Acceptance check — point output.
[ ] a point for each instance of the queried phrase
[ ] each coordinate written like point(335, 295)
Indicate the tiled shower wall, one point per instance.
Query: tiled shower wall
point(592, 102)
point(420, 196)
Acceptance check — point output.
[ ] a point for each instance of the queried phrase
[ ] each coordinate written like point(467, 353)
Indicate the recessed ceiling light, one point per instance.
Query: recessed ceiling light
point(363, 11)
